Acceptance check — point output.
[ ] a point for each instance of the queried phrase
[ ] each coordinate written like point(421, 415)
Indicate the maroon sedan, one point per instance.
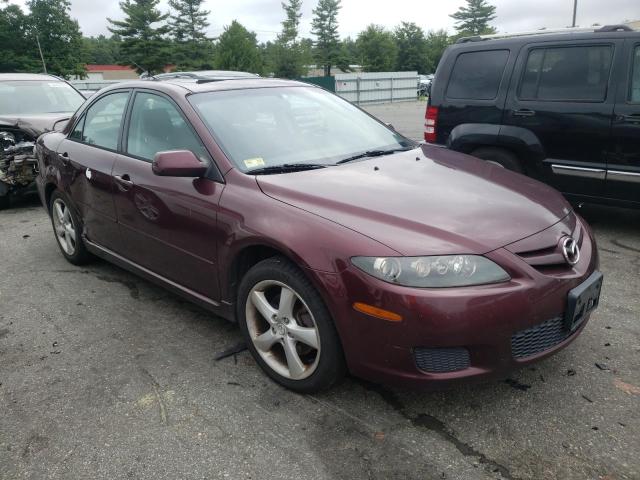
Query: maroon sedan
point(335, 242)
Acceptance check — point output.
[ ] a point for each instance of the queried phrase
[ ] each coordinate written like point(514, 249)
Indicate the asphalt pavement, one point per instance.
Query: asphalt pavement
point(104, 375)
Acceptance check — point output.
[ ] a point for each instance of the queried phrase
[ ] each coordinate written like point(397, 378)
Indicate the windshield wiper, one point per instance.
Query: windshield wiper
point(286, 168)
point(374, 153)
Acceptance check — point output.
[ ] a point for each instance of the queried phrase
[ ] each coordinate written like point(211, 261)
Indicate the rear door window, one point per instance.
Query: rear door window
point(634, 94)
point(102, 121)
point(477, 75)
point(579, 74)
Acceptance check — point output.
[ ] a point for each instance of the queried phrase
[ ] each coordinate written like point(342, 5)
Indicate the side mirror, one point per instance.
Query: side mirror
point(178, 163)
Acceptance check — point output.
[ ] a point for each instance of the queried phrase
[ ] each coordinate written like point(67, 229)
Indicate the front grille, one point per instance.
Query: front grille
point(539, 338)
point(547, 255)
point(440, 360)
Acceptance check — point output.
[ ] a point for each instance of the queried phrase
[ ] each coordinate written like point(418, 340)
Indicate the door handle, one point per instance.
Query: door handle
point(123, 182)
point(64, 157)
point(523, 112)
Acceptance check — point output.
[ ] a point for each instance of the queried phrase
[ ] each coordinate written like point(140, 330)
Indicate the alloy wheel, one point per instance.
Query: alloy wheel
point(283, 329)
point(64, 227)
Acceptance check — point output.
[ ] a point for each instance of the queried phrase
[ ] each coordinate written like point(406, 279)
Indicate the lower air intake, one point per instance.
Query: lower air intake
point(441, 360)
point(539, 338)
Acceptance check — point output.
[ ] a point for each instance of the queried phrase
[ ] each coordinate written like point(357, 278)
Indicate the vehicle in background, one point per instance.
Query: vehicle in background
point(335, 242)
point(29, 105)
point(204, 75)
point(424, 84)
point(562, 107)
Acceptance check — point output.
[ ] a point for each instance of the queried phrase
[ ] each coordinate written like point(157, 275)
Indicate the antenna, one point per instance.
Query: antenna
point(44, 65)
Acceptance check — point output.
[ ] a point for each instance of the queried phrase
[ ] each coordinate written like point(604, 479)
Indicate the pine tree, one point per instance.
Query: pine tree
point(475, 17)
point(143, 44)
point(325, 27)
point(237, 49)
point(289, 58)
point(290, 25)
point(188, 23)
point(59, 36)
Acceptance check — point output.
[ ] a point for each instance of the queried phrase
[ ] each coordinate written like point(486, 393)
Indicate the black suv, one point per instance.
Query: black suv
point(561, 107)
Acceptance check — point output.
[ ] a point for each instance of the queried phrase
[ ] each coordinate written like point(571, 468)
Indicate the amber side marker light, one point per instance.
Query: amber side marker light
point(377, 312)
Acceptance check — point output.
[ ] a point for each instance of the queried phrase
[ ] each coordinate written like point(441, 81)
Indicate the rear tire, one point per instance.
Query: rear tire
point(67, 229)
point(287, 327)
point(498, 156)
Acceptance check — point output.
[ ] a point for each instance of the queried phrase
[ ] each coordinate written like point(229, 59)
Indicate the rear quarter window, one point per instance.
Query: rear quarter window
point(477, 75)
point(634, 94)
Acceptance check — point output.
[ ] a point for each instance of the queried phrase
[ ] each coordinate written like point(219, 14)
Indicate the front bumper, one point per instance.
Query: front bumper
point(483, 321)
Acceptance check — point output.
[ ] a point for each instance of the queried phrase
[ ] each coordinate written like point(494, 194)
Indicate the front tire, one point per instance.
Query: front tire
point(67, 229)
point(287, 327)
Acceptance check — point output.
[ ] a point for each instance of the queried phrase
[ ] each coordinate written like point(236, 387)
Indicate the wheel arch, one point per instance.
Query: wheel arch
point(49, 188)
point(519, 141)
point(248, 255)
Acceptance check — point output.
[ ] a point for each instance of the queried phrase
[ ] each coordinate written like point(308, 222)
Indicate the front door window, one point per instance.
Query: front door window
point(156, 125)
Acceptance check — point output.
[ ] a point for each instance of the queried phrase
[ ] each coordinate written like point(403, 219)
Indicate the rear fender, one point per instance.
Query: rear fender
point(523, 143)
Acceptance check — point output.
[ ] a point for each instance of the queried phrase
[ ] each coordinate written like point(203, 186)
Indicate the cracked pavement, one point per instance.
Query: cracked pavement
point(104, 375)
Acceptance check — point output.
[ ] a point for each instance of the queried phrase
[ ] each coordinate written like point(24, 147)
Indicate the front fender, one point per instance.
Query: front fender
point(248, 217)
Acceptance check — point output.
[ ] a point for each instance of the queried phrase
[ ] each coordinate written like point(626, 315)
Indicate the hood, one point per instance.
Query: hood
point(36, 124)
point(428, 201)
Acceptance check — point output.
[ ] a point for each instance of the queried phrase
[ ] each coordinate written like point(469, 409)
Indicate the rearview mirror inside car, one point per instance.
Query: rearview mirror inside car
point(178, 163)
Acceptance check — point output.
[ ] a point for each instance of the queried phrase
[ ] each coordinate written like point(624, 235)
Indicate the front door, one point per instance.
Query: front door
point(168, 224)
point(623, 176)
point(563, 95)
point(87, 158)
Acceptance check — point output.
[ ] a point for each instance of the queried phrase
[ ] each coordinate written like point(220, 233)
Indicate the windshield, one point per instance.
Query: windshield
point(268, 127)
point(26, 97)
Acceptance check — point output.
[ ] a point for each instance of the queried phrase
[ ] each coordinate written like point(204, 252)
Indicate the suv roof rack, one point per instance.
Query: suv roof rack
point(496, 36)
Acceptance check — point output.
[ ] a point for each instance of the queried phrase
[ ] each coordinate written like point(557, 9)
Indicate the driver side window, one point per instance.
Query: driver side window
point(156, 125)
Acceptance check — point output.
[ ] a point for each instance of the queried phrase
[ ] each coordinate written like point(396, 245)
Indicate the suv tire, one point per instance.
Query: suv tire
point(498, 156)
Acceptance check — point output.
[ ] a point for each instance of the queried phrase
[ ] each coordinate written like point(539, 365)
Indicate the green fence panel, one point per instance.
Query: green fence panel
point(325, 82)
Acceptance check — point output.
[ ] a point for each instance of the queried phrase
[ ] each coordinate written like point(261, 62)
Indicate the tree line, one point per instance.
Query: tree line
point(148, 39)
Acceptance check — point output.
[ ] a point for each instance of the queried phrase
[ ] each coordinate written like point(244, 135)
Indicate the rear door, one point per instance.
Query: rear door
point(168, 224)
point(623, 176)
point(87, 156)
point(563, 94)
point(475, 90)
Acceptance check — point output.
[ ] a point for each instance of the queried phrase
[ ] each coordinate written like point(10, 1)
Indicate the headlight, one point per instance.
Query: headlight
point(436, 271)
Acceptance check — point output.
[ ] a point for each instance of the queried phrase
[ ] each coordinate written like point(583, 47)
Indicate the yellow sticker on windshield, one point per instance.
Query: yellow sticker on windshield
point(254, 162)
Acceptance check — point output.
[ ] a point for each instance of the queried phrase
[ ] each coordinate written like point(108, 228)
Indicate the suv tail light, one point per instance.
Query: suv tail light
point(430, 124)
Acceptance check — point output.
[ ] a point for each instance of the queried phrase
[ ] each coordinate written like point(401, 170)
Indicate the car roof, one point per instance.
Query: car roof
point(9, 77)
point(203, 74)
point(542, 37)
point(190, 86)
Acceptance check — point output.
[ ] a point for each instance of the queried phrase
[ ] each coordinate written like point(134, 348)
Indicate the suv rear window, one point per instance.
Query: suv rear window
point(477, 75)
point(578, 74)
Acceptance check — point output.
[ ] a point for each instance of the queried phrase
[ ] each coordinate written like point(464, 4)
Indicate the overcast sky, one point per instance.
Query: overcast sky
point(264, 16)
